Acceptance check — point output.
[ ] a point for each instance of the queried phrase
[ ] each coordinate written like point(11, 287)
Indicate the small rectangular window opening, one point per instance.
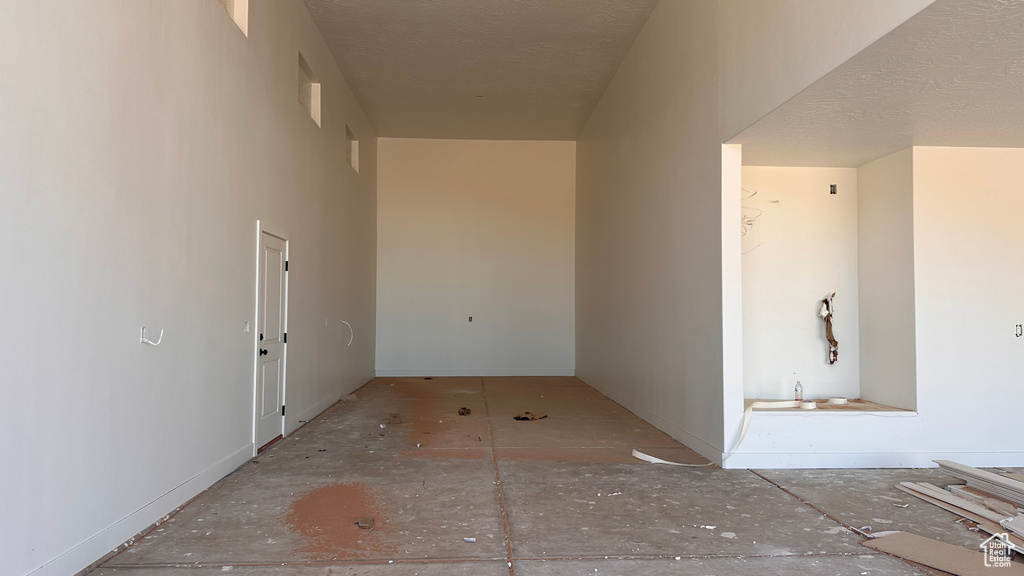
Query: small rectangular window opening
point(309, 90)
point(239, 12)
point(352, 148)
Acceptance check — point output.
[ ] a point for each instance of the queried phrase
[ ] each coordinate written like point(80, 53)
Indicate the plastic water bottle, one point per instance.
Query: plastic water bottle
point(798, 391)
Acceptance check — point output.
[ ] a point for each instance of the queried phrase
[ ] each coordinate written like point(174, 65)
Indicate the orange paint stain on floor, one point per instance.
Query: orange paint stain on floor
point(326, 516)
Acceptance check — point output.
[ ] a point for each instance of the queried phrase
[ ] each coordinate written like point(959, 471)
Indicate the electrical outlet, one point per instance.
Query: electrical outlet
point(1020, 330)
point(247, 327)
point(470, 318)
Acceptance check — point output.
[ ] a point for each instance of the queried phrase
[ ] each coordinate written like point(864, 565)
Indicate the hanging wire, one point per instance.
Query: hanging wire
point(748, 215)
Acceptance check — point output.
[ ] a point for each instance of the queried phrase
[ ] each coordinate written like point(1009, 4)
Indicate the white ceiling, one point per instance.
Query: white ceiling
point(951, 76)
point(479, 69)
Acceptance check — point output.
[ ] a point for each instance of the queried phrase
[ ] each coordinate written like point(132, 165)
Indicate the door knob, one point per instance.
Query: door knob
point(263, 352)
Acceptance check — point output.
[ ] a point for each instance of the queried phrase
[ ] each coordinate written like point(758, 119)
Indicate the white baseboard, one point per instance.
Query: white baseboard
point(872, 459)
point(133, 525)
point(692, 442)
point(454, 373)
point(364, 381)
point(293, 424)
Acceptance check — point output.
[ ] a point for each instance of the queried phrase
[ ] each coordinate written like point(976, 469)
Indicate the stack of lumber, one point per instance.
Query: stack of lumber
point(992, 501)
point(1001, 487)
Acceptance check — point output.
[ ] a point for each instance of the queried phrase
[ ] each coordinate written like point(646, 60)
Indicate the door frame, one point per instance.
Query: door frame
point(260, 230)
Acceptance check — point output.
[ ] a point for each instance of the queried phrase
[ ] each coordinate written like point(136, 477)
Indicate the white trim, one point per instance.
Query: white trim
point(732, 292)
point(692, 442)
point(869, 459)
point(321, 406)
point(134, 524)
point(255, 337)
point(260, 229)
point(284, 329)
point(442, 373)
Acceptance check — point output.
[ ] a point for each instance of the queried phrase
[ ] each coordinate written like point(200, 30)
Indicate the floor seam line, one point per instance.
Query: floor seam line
point(350, 562)
point(696, 556)
point(805, 502)
point(587, 558)
point(506, 529)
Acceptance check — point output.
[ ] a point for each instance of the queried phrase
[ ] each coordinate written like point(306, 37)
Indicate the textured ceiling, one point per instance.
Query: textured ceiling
point(951, 76)
point(479, 69)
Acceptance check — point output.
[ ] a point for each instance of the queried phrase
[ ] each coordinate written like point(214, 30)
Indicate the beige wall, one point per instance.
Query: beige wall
point(658, 298)
point(969, 270)
point(648, 299)
point(482, 229)
point(801, 247)
point(139, 143)
point(886, 268)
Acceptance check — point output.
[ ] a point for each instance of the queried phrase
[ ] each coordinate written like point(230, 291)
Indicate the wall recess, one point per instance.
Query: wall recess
point(239, 12)
point(309, 90)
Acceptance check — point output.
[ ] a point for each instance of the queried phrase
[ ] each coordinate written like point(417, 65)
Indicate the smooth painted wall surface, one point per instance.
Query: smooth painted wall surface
point(885, 237)
point(767, 53)
point(773, 49)
point(968, 268)
point(800, 247)
point(139, 143)
point(648, 232)
point(655, 321)
point(482, 229)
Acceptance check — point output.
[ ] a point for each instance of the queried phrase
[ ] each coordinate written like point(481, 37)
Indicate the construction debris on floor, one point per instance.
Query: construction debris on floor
point(530, 416)
point(989, 503)
point(483, 495)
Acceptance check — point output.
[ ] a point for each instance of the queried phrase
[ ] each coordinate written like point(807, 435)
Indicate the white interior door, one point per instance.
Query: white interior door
point(270, 360)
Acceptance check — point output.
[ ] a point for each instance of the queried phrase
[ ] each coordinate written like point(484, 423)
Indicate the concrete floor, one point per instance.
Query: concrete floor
point(557, 496)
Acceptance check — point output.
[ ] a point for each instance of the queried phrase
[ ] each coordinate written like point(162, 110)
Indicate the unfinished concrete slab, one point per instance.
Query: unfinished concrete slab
point(471, 493)
point(487, 568)
point(569, 509)
point(594, 455)
point(541, 381)
point(619, 433)
point(421, 508)
point(861, 498)
point(558, 402)
point(772, 566)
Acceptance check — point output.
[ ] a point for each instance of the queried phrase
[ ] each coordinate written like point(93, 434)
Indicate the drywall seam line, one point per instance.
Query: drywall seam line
point(507, 532)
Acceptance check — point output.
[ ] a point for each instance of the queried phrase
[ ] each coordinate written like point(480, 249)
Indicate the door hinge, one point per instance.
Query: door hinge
point(285, 338)
point(285, 265)
point(282, 409)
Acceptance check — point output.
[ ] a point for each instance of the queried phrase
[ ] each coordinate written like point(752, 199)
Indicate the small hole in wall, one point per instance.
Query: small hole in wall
point(239, 12)
point(831, 188)
point(352, 148)
point(309, 90)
